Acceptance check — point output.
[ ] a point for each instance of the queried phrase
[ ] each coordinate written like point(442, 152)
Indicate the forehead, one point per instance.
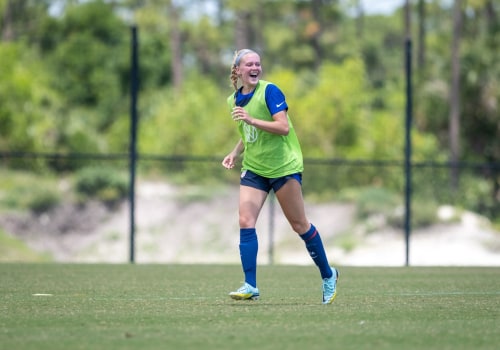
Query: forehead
point(250, 57)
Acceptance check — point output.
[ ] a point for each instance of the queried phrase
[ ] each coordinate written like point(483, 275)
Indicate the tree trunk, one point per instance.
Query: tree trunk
point(315, 39)
point(8, 22)
point(421, 35)
point(454, 119)
point(175, 45)
point(242, 30)
point(491, 15)
point(407, 19)
point(360, 19)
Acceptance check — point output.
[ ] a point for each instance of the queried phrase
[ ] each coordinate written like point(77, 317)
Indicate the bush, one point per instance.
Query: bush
point(376, 200)
point(104, 184)
point(22, 190)
point(423, 214)
point(42, 200)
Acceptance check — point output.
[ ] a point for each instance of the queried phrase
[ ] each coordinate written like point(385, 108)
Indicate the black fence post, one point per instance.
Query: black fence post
point(408, 149)
point(134, 87)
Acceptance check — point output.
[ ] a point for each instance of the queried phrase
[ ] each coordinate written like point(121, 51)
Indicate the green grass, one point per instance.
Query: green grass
point(186, 307)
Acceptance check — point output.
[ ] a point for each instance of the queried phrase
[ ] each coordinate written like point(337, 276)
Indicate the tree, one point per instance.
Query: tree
point(8, 21)
point(88, 56)
point(28, 110)
point(480, 91)
point(455, 93)
point(21, 18)
point(175, 46)
point(421, 34)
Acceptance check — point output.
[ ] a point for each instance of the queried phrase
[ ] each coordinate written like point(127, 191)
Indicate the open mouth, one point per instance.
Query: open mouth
point(254, 75)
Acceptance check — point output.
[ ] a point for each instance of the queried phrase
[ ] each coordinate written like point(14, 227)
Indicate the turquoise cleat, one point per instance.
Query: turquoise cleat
point(245, 292)
point(330, 287)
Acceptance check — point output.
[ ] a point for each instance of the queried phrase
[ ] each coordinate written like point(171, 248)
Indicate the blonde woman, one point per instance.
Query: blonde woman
point(272, 159)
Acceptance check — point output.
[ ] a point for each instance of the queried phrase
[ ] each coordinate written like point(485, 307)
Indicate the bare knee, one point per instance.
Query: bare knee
point(300, 227)
point(246, 221)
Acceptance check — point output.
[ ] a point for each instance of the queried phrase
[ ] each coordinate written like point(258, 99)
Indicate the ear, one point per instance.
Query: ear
point(238, 71)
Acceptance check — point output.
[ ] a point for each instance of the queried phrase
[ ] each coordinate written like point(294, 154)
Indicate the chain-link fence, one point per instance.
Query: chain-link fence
point(185, 210)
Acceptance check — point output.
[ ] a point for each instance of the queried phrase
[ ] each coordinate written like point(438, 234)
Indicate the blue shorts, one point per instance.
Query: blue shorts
point(251, 179)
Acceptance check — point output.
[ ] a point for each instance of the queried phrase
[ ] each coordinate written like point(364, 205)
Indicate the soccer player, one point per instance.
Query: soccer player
point(272, 159)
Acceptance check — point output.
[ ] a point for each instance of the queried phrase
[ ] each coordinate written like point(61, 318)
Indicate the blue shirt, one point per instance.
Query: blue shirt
point(275, 99)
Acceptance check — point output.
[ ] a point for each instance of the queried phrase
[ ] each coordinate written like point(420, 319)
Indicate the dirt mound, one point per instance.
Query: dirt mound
point(171, 228)
point(61, 231)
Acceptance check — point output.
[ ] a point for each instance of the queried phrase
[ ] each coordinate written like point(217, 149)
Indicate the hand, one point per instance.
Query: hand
point(228, 161)
point(239, 113)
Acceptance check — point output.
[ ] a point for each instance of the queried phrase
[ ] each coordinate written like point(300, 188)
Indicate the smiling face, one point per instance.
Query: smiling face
point(249, 70)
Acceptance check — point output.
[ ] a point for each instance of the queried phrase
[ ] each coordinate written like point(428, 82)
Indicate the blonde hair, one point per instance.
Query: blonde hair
point(236, 62)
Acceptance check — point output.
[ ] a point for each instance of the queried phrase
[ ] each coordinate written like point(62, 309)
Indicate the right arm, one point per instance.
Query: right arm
point(230, 159)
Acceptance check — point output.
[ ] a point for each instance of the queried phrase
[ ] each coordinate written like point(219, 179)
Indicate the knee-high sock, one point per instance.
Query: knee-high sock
point(317, 252)
point(249, 247)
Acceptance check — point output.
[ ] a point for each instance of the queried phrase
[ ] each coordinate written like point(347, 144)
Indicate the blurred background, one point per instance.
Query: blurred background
point(87, 175)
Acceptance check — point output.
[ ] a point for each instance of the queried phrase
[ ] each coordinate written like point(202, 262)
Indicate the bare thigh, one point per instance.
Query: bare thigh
point(292, 203)
point(251, 202)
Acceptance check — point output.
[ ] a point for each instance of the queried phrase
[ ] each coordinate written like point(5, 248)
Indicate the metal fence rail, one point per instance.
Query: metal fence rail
point(430, 180)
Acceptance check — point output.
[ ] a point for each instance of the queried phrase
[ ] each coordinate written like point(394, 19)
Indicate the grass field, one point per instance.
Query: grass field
point(58, 306)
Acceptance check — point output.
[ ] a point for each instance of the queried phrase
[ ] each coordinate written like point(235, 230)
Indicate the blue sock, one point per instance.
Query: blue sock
point(316, 250)
point(249, 247)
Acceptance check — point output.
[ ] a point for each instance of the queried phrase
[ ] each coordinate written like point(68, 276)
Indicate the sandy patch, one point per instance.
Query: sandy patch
point(170, 230)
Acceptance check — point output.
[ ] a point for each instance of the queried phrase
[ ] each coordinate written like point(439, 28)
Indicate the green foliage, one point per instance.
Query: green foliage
point(378, 207)
point(431, 185)
point(23, 190)
point(64, 83)
point(193, 121)
point(328, 113)
point(102, 183)
point(423, 214)
point(25, 120)
point(376, 201)
point(476, 195)
point(347, 241)
point(92, 55)
point(86, 52)
point(43, 200)
point(381, 45)
point(65, 96)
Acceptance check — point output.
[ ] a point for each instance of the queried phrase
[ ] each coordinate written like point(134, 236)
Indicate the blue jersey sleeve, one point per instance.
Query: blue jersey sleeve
point(275, 99)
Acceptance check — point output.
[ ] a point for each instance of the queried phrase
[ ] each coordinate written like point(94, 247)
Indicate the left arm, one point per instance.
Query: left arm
point(279, 125)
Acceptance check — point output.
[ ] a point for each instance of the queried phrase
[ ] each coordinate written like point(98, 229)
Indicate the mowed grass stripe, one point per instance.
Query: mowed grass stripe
point(187, 307)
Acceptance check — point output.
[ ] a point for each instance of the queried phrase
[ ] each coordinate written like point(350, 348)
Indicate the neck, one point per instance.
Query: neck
point(246, 89)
